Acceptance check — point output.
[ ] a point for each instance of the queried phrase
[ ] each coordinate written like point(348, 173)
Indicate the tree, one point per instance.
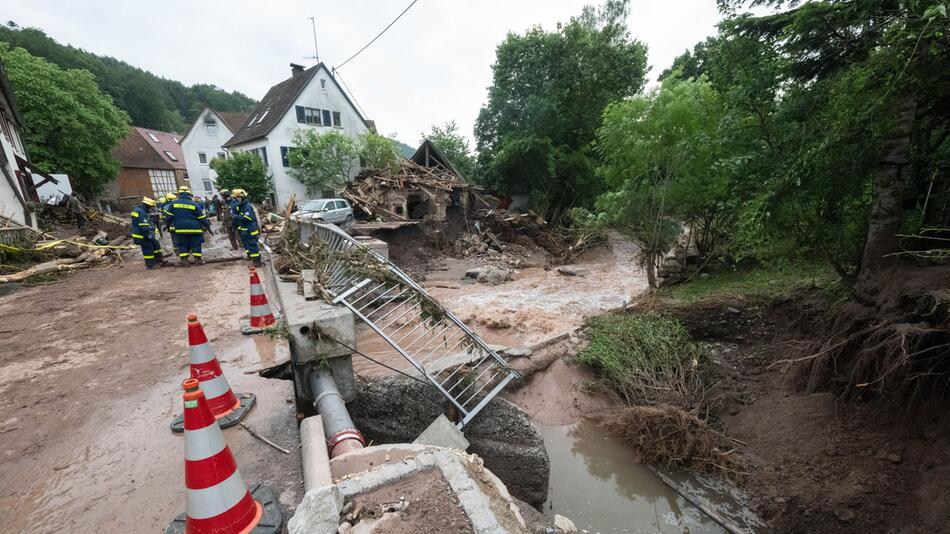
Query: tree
point(71, 126)
point(659, 153)
point(454, 146)
point(324, 160)
point(243, 170)
point(378, 152)
point(548, 91)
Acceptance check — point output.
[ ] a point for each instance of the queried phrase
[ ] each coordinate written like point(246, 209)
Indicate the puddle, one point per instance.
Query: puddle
point(595, 483)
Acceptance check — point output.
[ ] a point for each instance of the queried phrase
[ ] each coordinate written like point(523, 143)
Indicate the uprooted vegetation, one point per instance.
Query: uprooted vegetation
point(651, 366)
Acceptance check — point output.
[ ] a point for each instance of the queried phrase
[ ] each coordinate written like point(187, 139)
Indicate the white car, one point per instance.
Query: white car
point(325, 210)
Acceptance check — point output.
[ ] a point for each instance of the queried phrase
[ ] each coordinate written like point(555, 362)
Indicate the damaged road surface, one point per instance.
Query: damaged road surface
point(90, 377)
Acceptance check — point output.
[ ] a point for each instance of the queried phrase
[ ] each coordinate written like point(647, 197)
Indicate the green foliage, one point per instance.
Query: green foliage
point(378, 152)
point(243, 170)
point(646, 358)
point(71, 126)
point(151, 101)
point(760, 281)
point(454, 146)
point(324, 160)
point(545, 104)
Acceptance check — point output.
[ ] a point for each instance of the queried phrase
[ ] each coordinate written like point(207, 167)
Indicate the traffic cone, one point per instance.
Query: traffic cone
point(227, 408)
point(261, 316)
point(217, 499)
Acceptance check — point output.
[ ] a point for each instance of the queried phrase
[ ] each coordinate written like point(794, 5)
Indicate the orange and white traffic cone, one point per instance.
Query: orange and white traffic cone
point(217, 499)
point(227, 407)
point(261, 316)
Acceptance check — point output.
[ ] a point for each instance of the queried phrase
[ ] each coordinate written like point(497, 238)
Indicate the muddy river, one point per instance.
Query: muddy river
point(596, 484)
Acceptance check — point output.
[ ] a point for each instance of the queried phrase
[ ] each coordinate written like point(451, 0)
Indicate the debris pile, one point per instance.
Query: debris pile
point(50, 255)
point(563, 244)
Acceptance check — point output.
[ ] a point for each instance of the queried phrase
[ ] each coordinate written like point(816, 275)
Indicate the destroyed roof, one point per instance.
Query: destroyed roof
point(8, 96)
point(277, 102)
point(146, 149)
point(429, 155)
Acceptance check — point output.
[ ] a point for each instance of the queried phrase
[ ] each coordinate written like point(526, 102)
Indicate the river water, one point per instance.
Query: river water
point(595, 482)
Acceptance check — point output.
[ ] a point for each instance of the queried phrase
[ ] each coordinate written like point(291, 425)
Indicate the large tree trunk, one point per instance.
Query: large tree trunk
point(884, 220)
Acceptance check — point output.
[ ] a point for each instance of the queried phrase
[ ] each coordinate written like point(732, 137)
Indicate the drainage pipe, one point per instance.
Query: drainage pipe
point(342, 435)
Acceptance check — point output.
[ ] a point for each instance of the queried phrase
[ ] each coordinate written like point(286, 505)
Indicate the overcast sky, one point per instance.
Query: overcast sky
point(432, 66)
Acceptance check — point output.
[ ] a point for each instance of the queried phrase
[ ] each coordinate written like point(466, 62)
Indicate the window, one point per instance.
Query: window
point(260, 120)
point(212, 129)
point(202, 158)
point(163, 182)
point(310, 116)
point(336, 119)
point(261, 153)
point(285, 156)
point(175, 139)
point(221, 155)
point(207, 185)
point(152, 136)
point(340, 205)
point(323, 84)
point(326, 117)
point(170, 155)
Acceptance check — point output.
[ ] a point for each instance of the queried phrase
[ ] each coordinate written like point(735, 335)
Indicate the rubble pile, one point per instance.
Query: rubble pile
point(563, 244)
point(53, 255)
point(367, 193)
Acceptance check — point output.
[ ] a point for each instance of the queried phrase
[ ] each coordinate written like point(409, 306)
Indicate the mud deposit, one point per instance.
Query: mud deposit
point(595, 482)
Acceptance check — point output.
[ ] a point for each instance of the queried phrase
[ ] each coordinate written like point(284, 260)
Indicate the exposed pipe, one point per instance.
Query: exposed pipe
point(343, 437)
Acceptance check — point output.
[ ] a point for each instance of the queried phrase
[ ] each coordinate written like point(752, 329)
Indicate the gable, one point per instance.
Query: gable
point(280, 100)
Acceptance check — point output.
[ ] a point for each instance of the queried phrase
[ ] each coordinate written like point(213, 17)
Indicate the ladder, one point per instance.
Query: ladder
point(437, 345)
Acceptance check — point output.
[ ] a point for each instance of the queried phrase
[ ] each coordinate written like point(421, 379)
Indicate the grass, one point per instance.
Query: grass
point(760, 281)
point(646, 358)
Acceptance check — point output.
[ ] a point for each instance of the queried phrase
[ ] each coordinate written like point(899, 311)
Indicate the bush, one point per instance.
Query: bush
point(646, 359)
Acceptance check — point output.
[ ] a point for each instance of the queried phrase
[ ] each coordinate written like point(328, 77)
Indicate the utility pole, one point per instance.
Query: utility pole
point(316, 54)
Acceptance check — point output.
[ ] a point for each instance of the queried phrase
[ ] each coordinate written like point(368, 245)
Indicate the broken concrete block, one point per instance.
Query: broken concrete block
point(442, 433)
point(494, 276)
point(516, 352)
point(318, 512)
point(473, 273)
point(572, 270)
point(563, 524)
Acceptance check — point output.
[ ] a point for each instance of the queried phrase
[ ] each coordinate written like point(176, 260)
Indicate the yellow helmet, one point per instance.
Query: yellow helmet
point(239, 192)
point(147, 201)
point(170, 196)
point(162, 199)
point(184, 188)
point(225, 192)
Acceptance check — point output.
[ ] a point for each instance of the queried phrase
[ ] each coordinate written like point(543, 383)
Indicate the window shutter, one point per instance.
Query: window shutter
point(301, 116)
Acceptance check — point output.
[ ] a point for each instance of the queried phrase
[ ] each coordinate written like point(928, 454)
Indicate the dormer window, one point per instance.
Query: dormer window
point(152, 137)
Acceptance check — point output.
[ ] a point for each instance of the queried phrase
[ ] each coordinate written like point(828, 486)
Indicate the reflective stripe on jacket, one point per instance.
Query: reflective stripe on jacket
point(142, 226)
point(187, 217)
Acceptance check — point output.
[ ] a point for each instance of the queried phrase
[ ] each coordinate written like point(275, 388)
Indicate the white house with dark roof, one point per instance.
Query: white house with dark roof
point(309, 99)
point(204, 142)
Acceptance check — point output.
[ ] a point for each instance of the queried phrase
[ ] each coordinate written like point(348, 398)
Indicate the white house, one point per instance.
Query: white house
point(204, 142)
point(14, 195)
point(309, 99)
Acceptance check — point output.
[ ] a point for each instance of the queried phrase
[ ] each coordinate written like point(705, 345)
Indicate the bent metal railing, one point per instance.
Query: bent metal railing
point(436, 344)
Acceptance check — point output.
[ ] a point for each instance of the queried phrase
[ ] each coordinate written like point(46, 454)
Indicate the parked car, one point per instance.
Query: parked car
point(325, 210)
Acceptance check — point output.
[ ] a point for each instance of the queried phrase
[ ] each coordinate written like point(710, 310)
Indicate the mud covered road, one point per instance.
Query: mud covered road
point(90, 374)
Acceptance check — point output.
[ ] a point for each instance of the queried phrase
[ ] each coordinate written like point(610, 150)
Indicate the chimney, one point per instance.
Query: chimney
point(296, 69)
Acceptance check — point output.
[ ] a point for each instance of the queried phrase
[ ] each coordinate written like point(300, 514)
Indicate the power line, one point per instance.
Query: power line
point(379, 34)
point(348, 90)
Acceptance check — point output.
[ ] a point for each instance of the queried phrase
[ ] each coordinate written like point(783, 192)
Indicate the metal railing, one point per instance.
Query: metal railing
point(436, 344)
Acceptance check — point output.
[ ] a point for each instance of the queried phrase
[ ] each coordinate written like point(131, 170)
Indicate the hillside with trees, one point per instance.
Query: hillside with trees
point(151, 101)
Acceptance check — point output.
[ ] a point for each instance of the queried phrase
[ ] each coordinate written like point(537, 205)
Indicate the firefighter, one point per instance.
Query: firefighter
point(246, 221)
point(143, 234)
point(226, 216)
point(190, 223)
point(165, 210)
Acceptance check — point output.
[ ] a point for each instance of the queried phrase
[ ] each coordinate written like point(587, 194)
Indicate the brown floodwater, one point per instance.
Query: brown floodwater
point(596, 483)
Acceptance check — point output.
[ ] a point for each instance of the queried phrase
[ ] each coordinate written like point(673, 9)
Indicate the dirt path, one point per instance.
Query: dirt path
point(90, 377)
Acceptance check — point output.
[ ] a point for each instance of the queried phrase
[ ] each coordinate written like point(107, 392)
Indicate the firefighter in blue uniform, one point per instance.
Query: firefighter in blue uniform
point(143, 234)
point(245, 221)
point(165, 210)
point(190, 223)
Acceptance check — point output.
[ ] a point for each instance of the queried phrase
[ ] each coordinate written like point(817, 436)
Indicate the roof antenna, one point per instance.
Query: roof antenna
point(316, 54)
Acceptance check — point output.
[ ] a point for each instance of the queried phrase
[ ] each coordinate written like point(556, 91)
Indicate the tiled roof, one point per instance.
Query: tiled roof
point(232, 120)
point(139, 150)
point(277, 102)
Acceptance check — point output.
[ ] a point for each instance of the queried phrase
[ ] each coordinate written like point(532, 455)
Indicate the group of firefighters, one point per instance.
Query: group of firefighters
point(184, 218)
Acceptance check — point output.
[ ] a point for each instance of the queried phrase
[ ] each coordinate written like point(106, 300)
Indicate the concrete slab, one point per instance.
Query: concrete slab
point(442, 433)
point(313, 452)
